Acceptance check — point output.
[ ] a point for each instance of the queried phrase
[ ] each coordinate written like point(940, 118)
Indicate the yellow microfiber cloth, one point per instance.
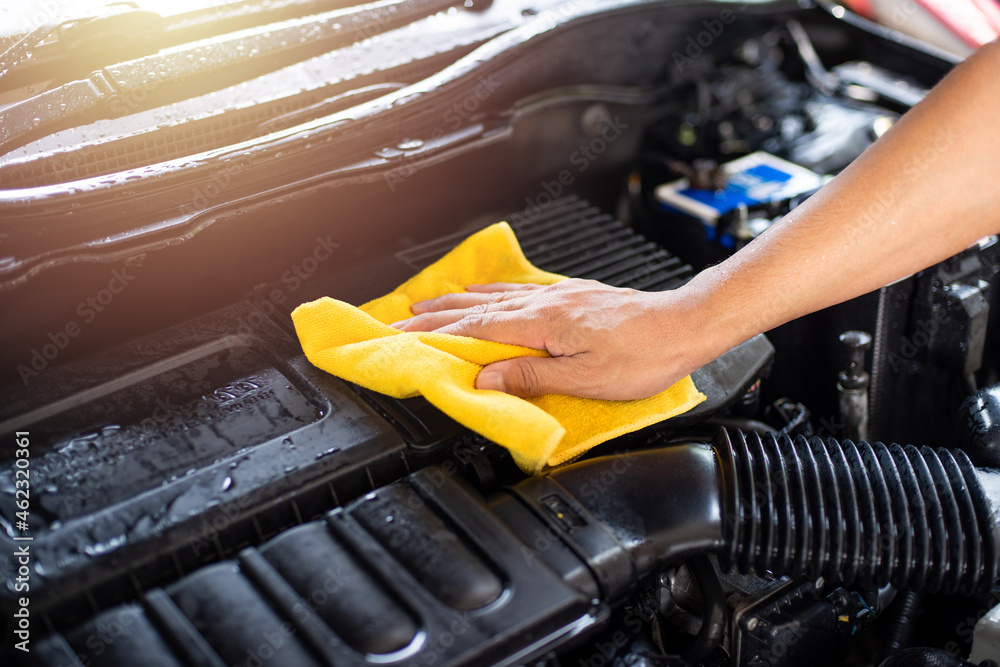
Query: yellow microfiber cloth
point(358, 345)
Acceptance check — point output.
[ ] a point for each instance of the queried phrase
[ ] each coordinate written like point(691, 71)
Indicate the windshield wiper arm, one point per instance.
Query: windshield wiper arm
point(200, 67)
point(122, 26)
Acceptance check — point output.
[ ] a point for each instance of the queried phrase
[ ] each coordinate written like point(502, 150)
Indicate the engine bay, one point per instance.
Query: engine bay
point(201, 494)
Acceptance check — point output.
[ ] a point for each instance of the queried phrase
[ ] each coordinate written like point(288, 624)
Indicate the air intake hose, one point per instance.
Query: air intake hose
point(865, 514)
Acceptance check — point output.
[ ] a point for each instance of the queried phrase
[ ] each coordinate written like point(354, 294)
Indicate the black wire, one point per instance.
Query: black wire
point(713, 623)
point(903, 615)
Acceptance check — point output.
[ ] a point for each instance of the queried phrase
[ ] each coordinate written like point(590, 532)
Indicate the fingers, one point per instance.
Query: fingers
point(431, 321)
point(455, 301)
point(487, 321)
point(501, 324)
point(477, 295)
point(503, 287)
point(531, 376)
point(452, 309)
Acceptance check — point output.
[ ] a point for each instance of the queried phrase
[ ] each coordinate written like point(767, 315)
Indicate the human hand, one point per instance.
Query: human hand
point(605, 342)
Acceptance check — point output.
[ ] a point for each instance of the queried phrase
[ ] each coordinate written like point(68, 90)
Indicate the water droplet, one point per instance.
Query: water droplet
point(390, 518)
point(36, 121)
point(328, 452)
point(104, 547)
point(227, 483)
point(409, 144)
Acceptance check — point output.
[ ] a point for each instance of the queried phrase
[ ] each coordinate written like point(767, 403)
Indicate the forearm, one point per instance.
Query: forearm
point(926, 190)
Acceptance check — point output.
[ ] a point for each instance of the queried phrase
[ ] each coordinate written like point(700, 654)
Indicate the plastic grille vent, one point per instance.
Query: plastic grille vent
point(147, 148)
point(576, 239)
point(195, 136)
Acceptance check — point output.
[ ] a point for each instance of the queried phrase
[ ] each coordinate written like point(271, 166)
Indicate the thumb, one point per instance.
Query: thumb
point(529, 376)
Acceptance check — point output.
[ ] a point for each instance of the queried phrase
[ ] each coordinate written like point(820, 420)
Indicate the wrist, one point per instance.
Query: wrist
point(699, 323)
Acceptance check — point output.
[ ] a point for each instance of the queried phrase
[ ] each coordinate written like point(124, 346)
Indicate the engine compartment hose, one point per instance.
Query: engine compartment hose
point(713, 623)
point(868, 514)
point(925, 657)
point(871, 514)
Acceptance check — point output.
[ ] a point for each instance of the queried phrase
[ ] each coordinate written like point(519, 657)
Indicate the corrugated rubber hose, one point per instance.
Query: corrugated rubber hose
point(854, 514)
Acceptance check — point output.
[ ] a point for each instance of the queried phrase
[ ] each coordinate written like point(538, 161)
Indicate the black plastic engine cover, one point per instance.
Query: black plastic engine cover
point(157, 458)
point(419, 572)
point(178, 449)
